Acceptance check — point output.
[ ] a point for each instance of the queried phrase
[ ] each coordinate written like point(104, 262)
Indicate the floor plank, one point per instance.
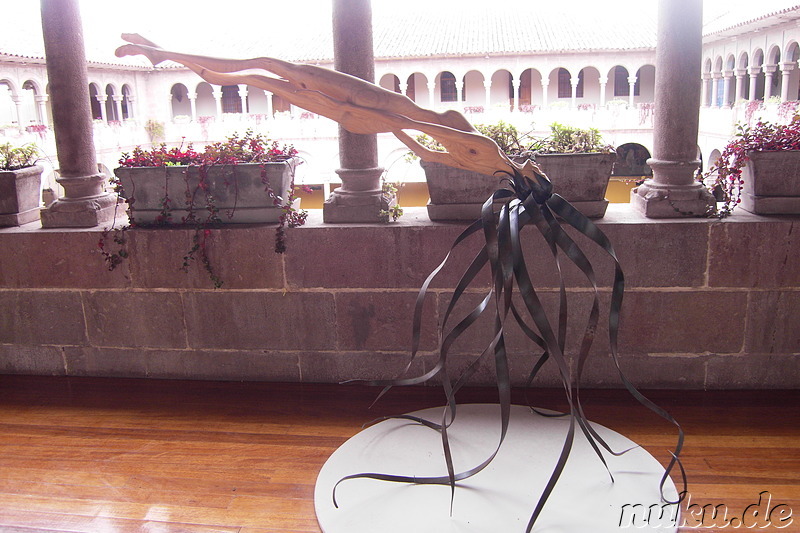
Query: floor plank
point(96, 455)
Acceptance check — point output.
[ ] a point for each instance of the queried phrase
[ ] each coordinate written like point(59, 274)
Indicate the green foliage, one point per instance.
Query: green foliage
point(155, 130)
point(16, 157)
point(570, 140)
point(507, 137)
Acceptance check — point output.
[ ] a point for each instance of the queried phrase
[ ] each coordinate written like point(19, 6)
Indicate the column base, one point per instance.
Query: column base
point(80, 212)
point(364, 206)
point(18, 219)
point(672, 201)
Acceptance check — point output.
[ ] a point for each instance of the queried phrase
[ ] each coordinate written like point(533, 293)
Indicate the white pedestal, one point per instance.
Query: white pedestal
point(502, 497)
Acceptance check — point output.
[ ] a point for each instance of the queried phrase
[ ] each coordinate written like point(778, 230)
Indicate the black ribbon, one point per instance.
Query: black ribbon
point(526, 203)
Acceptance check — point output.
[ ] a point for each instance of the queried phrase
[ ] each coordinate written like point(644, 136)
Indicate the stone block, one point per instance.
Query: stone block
point(383, 321)
point(335, 367)
point(222, 365)
point(682, 322)
point(754, 252)
point(261, 320)
point(242, 257)
point(646, 371)
point(57, 259)
point(42, 317)
point(773, 322)
point(754, 371)
point(35, 360)
point(105, 362)
point(135, 319)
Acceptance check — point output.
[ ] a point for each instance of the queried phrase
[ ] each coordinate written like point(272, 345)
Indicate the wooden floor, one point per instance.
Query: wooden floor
point(108, 455)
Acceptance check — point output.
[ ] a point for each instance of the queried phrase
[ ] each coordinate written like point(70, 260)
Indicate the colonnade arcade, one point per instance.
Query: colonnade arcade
point(752, 75)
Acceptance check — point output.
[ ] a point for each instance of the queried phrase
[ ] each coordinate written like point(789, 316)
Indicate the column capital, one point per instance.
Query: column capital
point(728, 74)
point(741, 72)
point(770, 69)
point(754, 71)
point(117, 98)
point(101, 98)
point(41, 98)
point(216, 92)
point(431, 85)
point(192, 96)
point(545, 83)
point(16, 99)
point(603, 80)
point(516, 83)
point(487, 84)
point(788, 66)
point(459, 85)
point(632, 79)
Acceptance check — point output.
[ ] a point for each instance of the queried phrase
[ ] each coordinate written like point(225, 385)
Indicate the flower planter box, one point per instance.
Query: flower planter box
point(771, 183)
point(20, 193)
point(580, 178)
point(239, 191)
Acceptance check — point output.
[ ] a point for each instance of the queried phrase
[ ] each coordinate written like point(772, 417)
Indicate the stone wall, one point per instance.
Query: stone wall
point(710, 304)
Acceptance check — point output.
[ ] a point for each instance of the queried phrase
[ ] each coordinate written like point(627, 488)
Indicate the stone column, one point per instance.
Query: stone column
point(518, 94)
point(487, 86)
point(193, 105)
point(216, 92)
point(359, 199)
point(769, 73)
point(603, 82)
point(403, 86)
point(41, 102)
point(726, 88)
point(85, 203)
point(673, 191)
point(432, 94)
point(118, 106)
point(18, 110)
point(574, 82)
point(715, 90)
point(631, 91)
point(243, 97)
point(131, 100)
point(704, 89)
point(786, 72)
point(741, 74)
point(101, 99)
point(754, 72)
point(270, 108)
point(545, 84)
point(459, 93)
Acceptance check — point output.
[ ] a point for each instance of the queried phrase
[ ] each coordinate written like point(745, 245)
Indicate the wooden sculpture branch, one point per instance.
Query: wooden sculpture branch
point(359, 106)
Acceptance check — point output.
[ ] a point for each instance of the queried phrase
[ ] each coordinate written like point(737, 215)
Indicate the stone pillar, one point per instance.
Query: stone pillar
point(18, 110)
point(118, 106)
point(574, 101)
point(704, 89)
point(270, 108)
point(432, 94)
point(603, 82)
point(741, 74)
point(459, 93)
point(786, 72)
point(754, 72)
point(130, 100)
point(85, 203)
point(673, 191)
point(41, 102)
point(359, 199)
point(487, 86)
point(243, 97)
point(769, 73)
point(216, 92)
point(545, 84)
point(101, 99)
point(193, 105)
point(403, 86)
point(517, 94)
point(726, 88)
point(631, 90)
point(715, 90)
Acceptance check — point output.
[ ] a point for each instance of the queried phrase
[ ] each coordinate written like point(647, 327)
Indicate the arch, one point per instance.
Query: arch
point(127, 102)
point(179, 100)
point(231, 101)
point(8, 109)
point(258, 102)
point(774, 55)
point(111, 108)
point(391, 82)
point(707, 66)
point(417, 89)
point(758, 63)
point(474, 89)
point(205, 103)
point(530, 89)
point(645, 88)
point(618, 78)
point(718, 65)
point(744, 60)
point(29, 108)
point(730, 62)
point(502, 91)
point(790, 57)
point(792, 52)
point(589, 85)
point(632, 161)
point(446, 81)
point(758, 57)
point(94, 94)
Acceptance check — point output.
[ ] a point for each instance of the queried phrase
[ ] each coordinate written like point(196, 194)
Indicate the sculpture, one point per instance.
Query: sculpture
point(364, 108)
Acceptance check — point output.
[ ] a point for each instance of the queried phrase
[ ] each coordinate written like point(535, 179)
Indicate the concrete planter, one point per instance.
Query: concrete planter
point(772, 183)
point(20, 193)
point(238, 191)
point(580, 178)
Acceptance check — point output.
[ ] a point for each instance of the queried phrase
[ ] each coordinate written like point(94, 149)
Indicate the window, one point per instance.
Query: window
point(231, 103)
point(448, 87)
point(621, 85)
point(564, 83)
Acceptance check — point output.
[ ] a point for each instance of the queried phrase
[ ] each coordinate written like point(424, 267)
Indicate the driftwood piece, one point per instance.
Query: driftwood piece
point(359, 106)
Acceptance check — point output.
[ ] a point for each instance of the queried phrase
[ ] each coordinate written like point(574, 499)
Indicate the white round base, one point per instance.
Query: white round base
point(503, 496)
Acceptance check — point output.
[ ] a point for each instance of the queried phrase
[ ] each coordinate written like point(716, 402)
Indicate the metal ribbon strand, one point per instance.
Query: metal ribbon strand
point(526, 204)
